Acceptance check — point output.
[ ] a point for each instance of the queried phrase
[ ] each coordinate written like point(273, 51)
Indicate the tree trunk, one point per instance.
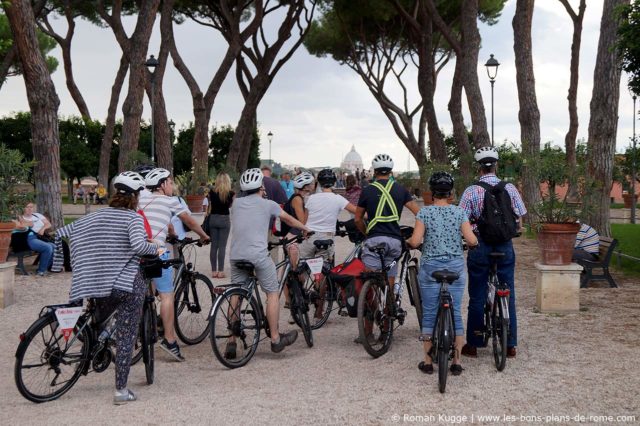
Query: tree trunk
point(426, 86)
point(43, 103)
point(107, 138)
point(572, 133)
point(603, 121)
point(132, 107)
point(529, 115)
point(6, 63)
point(470, 50)
point(460, 135)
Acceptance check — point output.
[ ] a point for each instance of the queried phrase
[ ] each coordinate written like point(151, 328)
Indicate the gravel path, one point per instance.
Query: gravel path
point(583, 364)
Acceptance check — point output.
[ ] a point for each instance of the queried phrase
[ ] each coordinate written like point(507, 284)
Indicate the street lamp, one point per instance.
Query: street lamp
point(633, 166)
point(151, 64)
point(492, 71)
point(270, 137)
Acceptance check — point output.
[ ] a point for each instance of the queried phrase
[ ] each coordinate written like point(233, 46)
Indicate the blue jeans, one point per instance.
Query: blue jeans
point(478, 265)
point(430, 290)
point(44, 248)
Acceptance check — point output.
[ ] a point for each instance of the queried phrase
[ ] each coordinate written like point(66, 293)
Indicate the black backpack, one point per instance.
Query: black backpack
point(288, 208)
point(497, 222)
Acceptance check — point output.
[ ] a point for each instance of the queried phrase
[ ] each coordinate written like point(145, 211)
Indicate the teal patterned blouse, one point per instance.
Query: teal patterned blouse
point(442, 237)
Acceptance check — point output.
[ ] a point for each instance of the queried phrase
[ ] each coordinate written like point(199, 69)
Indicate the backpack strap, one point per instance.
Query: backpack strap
point(385, 200)
point(484, 185)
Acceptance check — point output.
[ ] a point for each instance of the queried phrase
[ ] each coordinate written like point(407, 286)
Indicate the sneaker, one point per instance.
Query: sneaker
point(41, 274)
point(286, 339)
point(470, 351)
point(122, 397)
point(456, 369)
point(511, 352)
point(172, 349)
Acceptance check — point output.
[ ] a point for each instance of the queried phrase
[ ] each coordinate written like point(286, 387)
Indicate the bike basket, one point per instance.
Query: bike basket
point(151, 268)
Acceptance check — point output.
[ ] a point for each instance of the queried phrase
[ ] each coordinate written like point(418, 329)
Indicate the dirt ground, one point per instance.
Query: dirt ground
point(583, 364)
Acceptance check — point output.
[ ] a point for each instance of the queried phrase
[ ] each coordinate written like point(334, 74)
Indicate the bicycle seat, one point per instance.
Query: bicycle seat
point(244, 265)
point(378, 248)
point(496, 255)
point(323, 244)
point(445, 275)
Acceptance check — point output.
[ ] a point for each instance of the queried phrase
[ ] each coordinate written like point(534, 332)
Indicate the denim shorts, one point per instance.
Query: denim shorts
point(164, 284)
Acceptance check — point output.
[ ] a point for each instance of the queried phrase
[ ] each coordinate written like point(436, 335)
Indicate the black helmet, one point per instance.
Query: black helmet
point(327, 178)
point(441, 183)
point(143, 169)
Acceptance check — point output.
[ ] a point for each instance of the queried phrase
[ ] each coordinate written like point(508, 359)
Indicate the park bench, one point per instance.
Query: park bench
point(19, 248)
point(607, 246)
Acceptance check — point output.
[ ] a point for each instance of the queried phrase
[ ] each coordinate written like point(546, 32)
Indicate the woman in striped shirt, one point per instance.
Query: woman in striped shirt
point(105, 254)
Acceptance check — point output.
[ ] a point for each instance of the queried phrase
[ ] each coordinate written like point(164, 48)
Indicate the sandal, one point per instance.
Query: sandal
point(426, 368)
point(221, 275)
point(214, 274)
point(456, 369)
point(230, 350)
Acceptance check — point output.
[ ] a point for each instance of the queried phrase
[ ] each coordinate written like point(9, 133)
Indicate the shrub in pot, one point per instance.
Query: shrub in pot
point(14, 170)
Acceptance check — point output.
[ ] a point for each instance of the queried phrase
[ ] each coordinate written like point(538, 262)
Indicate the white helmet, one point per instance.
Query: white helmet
point(128, 182)
point(154, 177)
point(486, 155)
point(251, 179)
point(302, 180)
point(383, 162)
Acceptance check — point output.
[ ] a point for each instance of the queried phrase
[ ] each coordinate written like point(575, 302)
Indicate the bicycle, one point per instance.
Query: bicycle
point(379, 307)
point(496, 314)
point(444, 329)
point(193, 292)
point(238, 314)
point(64, 355)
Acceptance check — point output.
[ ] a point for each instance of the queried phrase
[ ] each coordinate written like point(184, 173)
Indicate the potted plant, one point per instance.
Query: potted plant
point(194, 191)
point(557, 219)
point(14, 171)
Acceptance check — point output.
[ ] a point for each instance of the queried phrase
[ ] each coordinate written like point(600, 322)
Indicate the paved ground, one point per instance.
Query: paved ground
point(583, 364)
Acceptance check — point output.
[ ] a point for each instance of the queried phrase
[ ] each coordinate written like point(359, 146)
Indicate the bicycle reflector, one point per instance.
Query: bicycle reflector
point(445, 305)
point(502, 293)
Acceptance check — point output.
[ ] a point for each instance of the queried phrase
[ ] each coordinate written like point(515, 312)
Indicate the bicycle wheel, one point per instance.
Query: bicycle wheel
point(47, 365)
point(300, 310)
point(375, 322)
point(414, 291)
point(486, 333)
point(319, 296)
point(146, 333)
point(235, 327)
point(193, 302)
point(445, 340)
point(500, 329)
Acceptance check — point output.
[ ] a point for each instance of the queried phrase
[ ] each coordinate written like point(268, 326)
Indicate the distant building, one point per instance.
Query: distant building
point(352, 161)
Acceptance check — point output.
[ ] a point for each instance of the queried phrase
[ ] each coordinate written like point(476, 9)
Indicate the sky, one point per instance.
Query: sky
point(317, 109)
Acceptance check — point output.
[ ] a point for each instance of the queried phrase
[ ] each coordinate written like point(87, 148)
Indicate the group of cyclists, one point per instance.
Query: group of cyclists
point(138, 219)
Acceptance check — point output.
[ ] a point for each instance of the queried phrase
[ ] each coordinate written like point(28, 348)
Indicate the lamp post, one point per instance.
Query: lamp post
point(492, 71)
point(151, 65)
point(270, 137)
point(633, 166)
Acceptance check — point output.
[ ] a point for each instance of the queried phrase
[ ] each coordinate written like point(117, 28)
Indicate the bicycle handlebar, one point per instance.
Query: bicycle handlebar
point(285, 241)
point(185, 241)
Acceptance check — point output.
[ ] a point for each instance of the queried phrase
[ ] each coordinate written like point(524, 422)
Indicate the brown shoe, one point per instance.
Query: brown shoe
point(470, 351)
point(511, 352)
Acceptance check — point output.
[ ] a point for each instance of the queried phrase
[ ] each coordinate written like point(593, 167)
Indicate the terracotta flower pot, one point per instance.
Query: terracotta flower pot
point(556, 241)
point(194, 202)
point(5, 239)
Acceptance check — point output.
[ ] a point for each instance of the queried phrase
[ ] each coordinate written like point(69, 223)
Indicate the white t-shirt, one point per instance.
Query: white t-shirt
point(178, 226)
point(38, 223)
point(324, 208)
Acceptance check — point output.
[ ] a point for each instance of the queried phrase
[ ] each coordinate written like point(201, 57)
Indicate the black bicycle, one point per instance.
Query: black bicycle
point(238, 315)
point(194, 296)
point(444, 329)
point(496, 314)
point(50, 360)
point(379, 306)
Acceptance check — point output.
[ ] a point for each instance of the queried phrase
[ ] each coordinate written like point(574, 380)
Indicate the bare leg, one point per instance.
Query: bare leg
point(167, 314)
point(273, 314)
point(459, 344)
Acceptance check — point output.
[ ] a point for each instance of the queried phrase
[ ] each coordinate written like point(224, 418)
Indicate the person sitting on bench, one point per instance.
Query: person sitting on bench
point(587, 244)
point(37, 224)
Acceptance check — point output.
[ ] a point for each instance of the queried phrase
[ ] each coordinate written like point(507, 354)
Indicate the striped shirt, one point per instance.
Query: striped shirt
point(588, 239)
point(105, 251)
point(472, 200)
point(159, 209)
